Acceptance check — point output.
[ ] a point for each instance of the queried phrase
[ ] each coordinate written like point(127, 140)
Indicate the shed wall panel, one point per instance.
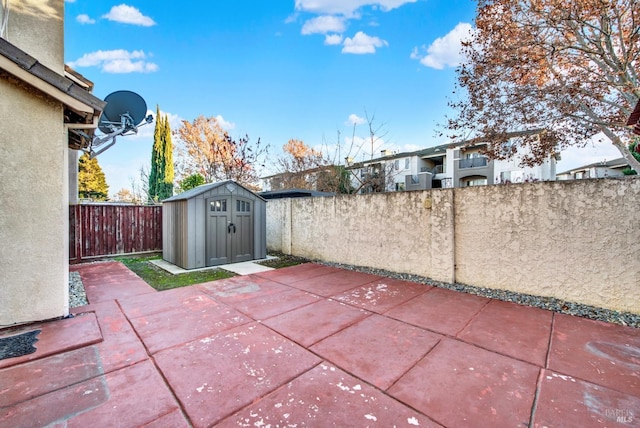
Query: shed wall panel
point(200, 248)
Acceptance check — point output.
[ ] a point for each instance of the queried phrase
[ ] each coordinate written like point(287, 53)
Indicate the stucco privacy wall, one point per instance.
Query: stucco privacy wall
point(396, 231)
point(578, 241)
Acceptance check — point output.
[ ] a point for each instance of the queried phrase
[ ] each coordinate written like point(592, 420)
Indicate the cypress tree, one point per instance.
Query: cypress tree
point(161, 174)
point(91, 180)
point(155, 161)
point(166, 190)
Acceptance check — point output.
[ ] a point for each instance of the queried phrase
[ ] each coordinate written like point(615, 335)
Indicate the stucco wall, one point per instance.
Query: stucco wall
point(36, 27)
point(34, 209)
point(578, 241)
point(391, 231)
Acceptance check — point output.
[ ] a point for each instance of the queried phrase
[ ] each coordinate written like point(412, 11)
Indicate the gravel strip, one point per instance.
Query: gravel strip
point(548, 303)
point(77, 296)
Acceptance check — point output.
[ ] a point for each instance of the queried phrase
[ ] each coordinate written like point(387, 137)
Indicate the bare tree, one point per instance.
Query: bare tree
point(207, 149)
point(570, 68)
point(373, 173)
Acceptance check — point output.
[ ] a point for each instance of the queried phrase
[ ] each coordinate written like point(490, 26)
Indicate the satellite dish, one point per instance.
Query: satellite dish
point(124, 113)
point(122, 104)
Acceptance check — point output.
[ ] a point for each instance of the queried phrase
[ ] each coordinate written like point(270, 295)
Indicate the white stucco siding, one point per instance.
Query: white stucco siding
point(34, 209)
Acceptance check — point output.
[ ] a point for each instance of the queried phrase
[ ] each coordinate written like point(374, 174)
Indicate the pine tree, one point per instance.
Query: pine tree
point(161, 174)
point(91, 180)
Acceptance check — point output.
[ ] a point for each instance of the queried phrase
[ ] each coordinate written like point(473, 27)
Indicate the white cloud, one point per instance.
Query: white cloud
point(175, 121)
point(333, 39)
point(346, 8)
point(228, 126)
point(354, 119)
point(323, 24)
point(116, 61)
point(128, 15)
point(444, 51)
point(85, 19)
point(361, 43)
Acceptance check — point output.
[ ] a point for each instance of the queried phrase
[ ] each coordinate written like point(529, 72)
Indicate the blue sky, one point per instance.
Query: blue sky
point(276, 70)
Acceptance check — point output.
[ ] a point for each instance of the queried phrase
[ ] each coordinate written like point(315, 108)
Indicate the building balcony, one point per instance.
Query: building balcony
point(478, 162)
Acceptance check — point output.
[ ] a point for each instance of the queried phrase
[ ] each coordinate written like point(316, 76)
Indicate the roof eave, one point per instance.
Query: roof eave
point(27, 69)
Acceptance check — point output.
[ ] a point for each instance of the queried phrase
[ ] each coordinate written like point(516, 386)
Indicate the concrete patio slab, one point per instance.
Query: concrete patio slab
point(57, 336)
point(440, 310)
point(334, 283)
point(309, 324)
point(196, 317)
point(101, 401)
point(218, 375)
point(120, 346)
point(512, 330)
point(382, 295)
point(306, 271)
point(601, 353)
point(327, 396)
point(377, 349)
point(109, 281)
point(261, 350)
point(570, 402)
point(461, 385)
point(40, 377)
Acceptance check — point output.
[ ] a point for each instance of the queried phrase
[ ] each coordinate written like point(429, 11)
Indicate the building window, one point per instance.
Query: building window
point(396, 164)
point(415, 179)
point(505, 177)
point(475, 182)
point(407, 163)
point(399, 187)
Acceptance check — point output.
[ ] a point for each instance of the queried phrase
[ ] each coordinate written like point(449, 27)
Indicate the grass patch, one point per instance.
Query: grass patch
point(163, 280)
point(283, 260)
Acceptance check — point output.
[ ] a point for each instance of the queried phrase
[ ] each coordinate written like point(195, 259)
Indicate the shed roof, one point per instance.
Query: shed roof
point(205, 188)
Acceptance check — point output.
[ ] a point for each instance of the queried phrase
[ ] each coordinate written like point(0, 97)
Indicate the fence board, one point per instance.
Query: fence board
point(106, 230)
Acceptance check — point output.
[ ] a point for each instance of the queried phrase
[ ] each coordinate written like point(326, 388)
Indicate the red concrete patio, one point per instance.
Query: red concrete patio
point(313, 345)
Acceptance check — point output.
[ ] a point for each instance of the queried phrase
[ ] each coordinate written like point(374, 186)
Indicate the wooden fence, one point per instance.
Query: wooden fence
point(104, 230)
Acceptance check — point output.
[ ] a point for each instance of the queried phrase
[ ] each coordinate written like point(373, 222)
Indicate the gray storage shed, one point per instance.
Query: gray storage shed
point(214, 224)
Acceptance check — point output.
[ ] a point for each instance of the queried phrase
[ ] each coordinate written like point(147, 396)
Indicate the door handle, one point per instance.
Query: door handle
point(230, 226)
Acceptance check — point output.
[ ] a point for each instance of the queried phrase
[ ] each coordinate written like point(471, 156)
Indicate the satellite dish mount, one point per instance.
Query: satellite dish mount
point(123, 115)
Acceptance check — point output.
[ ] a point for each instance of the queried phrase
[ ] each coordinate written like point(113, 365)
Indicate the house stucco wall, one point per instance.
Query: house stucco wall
point(34, 209)
point(36, 27)
point(34, 188)
point(577, 241)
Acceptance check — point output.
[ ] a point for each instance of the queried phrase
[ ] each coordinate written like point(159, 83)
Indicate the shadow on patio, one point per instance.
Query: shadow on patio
point(314, 345)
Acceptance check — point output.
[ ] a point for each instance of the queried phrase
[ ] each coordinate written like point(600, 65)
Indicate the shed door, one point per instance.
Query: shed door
point(229, 230)
point(242, 234)
point(218, 220)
